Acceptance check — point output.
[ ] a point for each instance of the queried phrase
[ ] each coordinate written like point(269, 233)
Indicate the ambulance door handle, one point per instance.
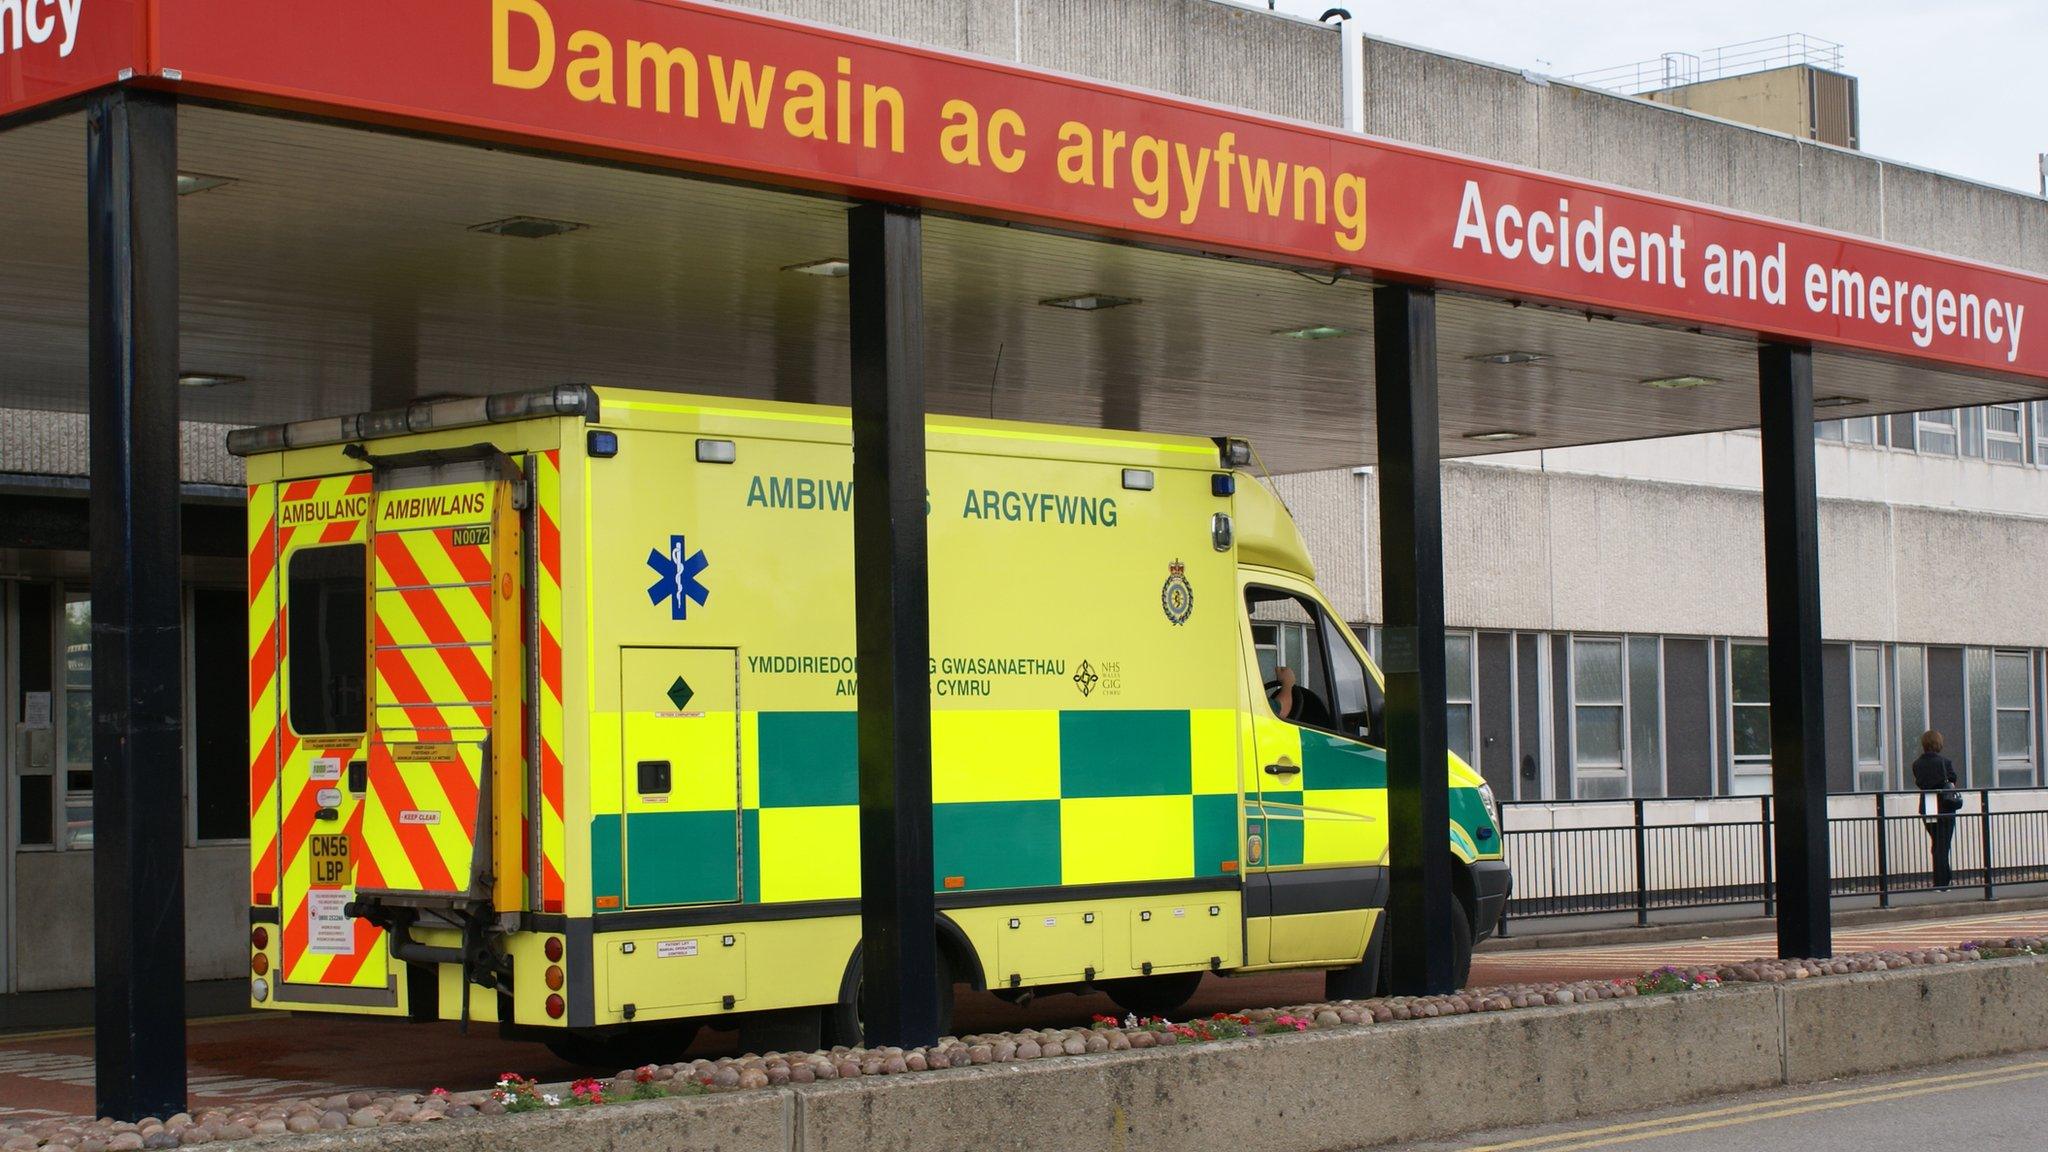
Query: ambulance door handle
point(1284, 767)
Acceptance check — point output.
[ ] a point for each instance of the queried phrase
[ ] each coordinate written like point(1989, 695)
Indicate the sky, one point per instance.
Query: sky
point(1960, 86)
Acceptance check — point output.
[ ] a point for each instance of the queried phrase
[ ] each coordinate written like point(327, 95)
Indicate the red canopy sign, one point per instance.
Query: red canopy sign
point(51, 49)
point(715, 89)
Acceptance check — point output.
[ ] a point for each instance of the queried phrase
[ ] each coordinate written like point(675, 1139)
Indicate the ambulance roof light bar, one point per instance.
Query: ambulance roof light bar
point(423, 416)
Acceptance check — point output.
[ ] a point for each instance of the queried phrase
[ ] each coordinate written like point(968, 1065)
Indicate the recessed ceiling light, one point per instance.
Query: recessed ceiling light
point(1839, 401)
point(1089, 302)
point(1509, 357)
point(190, 182)
point(208, 379)
point(1681, 383)
point(833, 266)
point(1313, 332)
point(528, 227)
point(1496, 436)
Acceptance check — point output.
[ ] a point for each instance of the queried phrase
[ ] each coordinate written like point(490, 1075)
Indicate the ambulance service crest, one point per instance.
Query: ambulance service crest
point(1177, 596)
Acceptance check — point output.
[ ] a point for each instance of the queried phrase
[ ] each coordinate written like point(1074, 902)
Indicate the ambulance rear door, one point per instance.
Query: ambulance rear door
point(446, 794)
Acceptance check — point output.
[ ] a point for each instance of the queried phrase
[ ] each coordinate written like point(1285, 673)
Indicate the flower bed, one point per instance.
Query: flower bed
point(514, 1093)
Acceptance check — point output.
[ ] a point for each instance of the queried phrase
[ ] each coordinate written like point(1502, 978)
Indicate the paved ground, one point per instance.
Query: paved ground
point(1980, 1104)
point(263, 1056)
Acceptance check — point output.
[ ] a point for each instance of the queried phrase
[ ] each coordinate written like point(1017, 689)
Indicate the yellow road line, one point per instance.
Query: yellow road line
point(1765, 1109)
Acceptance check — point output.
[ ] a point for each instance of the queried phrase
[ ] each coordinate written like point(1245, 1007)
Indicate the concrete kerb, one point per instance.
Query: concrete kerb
point(1329, 1089)
point(737, 1122)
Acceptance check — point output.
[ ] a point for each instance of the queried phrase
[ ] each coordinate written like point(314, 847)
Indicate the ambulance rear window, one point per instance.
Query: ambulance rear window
point(327, 645)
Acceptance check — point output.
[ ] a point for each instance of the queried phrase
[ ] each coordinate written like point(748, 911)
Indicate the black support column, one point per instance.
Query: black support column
point(1799, 753)
point(885, 247)
point(1418, 941)
point(137, 659)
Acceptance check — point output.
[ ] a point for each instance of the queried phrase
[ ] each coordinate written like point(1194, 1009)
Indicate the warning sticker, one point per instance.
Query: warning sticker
point(422, 753)
point(416, 816)
point(328, 931)
point(326, 768)
point(668, 948)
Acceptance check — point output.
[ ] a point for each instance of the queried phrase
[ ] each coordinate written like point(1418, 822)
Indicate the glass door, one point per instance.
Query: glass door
point(77, 773)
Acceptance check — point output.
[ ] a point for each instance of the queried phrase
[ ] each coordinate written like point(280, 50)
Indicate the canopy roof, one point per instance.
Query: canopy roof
point(333, 256)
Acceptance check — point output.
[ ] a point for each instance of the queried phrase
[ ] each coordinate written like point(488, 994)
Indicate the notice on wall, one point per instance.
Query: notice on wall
point(35, 710)
point(328, 931)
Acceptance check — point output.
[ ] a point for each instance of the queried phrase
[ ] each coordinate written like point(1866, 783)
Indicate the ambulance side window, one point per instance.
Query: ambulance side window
point(326, 641)
point(1359, 710)
point(1334, 692)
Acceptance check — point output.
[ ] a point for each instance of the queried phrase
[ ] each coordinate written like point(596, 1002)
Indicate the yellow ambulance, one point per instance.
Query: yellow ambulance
point(553, 721)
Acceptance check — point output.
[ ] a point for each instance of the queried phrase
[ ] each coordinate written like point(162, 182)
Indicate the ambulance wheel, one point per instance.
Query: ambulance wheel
point(1161, 995)
point(1461, 951)
point(841, 1025)
point(662, 1043)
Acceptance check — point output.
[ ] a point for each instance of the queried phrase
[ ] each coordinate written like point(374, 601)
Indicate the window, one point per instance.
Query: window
point(328, 644)
point(1599, 770)
point(1910, 665)
point(1458, 712)
point(2005, 433)
point(1336, 694)
point(1855, 430)
point(2041, 432)
point(1936, 431)
point(2012, 676)
point(1867, 667)
point(219, 735)
point(1749, 721)
point(1970, 431)
point(77, 721)
point(1646, 714)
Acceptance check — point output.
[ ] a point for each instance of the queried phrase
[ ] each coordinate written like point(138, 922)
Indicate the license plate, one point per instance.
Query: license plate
point(331, 857)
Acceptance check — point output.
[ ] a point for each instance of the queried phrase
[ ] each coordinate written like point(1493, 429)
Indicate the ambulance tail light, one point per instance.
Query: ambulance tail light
point(553, 949)
point(453, 412)
point(556, 1006)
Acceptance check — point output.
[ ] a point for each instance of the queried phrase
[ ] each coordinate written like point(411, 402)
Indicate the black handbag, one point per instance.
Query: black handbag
point(1949, 800)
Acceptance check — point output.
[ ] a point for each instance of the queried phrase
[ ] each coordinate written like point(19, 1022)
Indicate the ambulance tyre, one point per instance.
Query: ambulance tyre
point(841, 1025)
point(1161, 995)
point(662, 1043)
point(1461, 950)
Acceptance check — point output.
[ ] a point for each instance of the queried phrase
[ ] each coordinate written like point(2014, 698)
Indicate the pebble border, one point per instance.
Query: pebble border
point(739, 1073)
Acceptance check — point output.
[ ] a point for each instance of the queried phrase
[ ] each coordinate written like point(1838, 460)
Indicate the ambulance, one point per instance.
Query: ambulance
point(553, 722)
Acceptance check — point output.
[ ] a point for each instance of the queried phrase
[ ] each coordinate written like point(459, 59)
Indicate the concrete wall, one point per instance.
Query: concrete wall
point(1222, 53)
point(55, 444)
point(53, 917)
point(1667, 537)
point(1335, 1089)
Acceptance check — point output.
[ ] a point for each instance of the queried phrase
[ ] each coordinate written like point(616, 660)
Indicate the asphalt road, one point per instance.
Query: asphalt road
point(1980, 1104)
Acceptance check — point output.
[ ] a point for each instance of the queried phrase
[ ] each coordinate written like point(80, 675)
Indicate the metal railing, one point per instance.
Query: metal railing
point(1673, 69)
point(1588, 857)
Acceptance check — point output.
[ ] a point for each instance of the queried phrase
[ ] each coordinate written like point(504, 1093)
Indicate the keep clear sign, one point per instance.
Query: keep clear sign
point(328, 930)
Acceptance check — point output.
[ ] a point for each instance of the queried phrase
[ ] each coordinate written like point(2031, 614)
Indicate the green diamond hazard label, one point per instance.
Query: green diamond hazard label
point(680, 694)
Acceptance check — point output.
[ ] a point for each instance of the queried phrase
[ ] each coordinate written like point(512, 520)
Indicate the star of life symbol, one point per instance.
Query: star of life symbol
point(1085, 678)
point(678, 583)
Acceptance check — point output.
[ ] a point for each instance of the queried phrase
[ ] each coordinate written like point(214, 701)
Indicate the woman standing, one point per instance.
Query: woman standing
point(1935, 776)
